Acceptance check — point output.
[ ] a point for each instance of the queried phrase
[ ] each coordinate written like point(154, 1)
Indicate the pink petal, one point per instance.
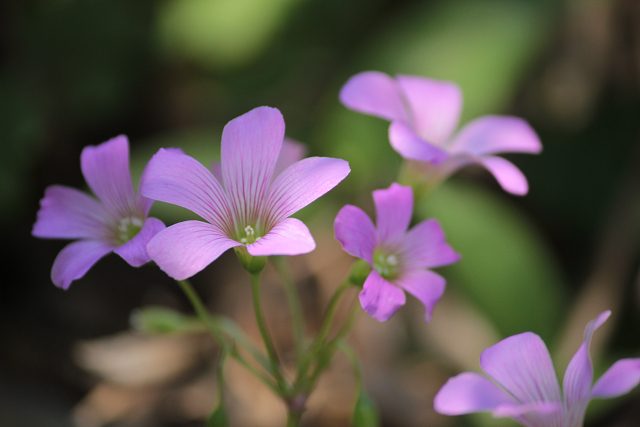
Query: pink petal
point(394, 207)
point(522, 366)
point(302, 183)
point(289, 237)
point(579, 374)
point(410, 146)
point(436, 107)
point(176, 178)
point(186, 248)
point(467, 393)
point(379, 298)
point(425, 285)
point(619, 379)
point(355, 231)
point(106, 169)
point(250, 147)
point(375, 93)
point(424, 246)
point(76, 259)
point(496, 134)
point(510, 178)
point(534, 413)
point(135, 250)
point(144, 202)
point(291, 152)
point(66, 213)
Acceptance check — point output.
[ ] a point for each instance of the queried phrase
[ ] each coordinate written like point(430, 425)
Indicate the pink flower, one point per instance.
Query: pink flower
point(522, 383)
point(399, 258)
point(116, 222)
point(424, 113)
point(248, 209)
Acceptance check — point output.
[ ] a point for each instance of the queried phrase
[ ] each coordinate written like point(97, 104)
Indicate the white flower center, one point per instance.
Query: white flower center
point(386, 264)
point(128, 228)
point(250, 236)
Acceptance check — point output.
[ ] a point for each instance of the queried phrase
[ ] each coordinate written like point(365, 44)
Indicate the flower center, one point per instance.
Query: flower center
point(386, 264)
point(128, 228)
point(250, 236)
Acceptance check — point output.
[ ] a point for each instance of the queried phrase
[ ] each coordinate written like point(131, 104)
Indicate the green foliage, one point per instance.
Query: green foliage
point(163, 320)
point(506, 267)
point(365, 412)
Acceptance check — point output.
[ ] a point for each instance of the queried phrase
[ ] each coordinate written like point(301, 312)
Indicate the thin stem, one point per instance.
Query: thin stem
point(268, 342)
point(293, 419)
point(215, 330)
point(295, 305)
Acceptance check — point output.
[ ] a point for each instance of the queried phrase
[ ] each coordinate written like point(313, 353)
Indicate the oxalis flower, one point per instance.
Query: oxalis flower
point(399, 258)
point(424, 113)
point(523, 383)
point(247, 210)
point(115, 222)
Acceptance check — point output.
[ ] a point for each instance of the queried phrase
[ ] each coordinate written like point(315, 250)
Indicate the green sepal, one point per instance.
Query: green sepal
point(253, 264)
point(359, 273)
point(163, 320)
point(365, 412)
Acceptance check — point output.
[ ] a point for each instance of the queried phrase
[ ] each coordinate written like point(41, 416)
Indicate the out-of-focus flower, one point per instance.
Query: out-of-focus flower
point(524, 385)
point(399, 258)
point(247, 209)
point(424, 113)
point(116, 222)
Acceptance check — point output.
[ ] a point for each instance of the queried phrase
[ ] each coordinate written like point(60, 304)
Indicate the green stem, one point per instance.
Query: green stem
point(316, 352)
point(293, 419)
point(295, 306)
point(215, 329)
point(266, 338)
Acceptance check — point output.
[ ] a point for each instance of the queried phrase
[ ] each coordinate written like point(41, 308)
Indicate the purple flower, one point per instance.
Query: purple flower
point(399, 257)
point(116, 222)
point(523, 383)
point(247, 209)
point(424, 113)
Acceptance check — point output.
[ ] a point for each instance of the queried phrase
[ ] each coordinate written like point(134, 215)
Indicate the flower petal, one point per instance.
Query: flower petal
point(510, 178)
point(425, 246)
point(436, 106)
point(289, 237)
point(374, 93)
point(467, 393)
point(579, 374)
point(380, 298)
point(176, 178)
point(619, 379)
point(409, 145)
point(67, 213)
point(144, 202)
point(533, 413)
point(291, 152)
point(496, 134)
point(106, 169)
point(355, 231)
point(522, 366)
point(76, 259)
point(135, 250)
point(300, 184)
point(186, 248)
point(425, 285)
point(250, 147)
point(394, 207)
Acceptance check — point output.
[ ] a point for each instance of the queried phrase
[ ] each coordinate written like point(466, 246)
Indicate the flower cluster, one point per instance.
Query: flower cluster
point(246, 201)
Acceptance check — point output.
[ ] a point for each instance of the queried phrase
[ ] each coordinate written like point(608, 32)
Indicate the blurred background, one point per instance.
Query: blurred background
point(173, 72)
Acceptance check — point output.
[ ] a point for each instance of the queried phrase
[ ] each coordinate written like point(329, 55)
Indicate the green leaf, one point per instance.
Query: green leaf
point(219, 417)
point(506, 267)
point(365, 412)
point(163, 320)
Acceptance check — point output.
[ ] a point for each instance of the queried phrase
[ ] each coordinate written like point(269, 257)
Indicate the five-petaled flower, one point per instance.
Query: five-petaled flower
point(247, 210)
point(399, 258)
point(424, 113)
point(524, 385)
point(116, 222)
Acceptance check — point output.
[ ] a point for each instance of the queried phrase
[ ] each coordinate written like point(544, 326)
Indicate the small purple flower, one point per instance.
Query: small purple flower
point(523, 383)
point(424, 113)
point(248, 209)
point(399, 258)
point(116, 222)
